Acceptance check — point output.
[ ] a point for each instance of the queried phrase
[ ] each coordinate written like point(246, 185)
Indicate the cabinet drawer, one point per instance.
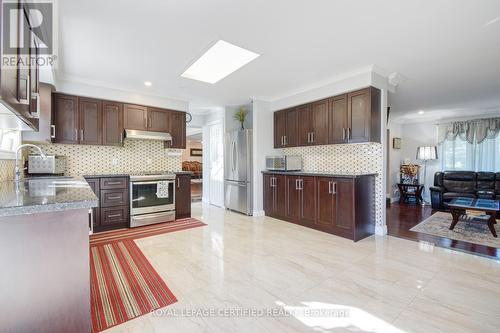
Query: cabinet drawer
point(113, 183)
point(114, 216)
point(111, 198)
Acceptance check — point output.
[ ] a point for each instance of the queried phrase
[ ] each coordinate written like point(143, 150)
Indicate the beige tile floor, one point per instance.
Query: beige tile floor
point(314, 282)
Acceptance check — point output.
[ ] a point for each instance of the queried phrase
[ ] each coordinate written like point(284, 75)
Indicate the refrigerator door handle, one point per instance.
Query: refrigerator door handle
point(234, 155)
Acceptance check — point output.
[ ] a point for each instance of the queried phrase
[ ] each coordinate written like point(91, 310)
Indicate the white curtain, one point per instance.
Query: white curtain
point(459, 154)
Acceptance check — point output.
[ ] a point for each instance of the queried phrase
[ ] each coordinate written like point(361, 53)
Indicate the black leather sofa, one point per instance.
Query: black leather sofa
point(449, 185)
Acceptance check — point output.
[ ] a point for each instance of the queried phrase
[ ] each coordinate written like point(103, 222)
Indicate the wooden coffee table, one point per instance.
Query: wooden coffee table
point(410, 190)
point(458, 207)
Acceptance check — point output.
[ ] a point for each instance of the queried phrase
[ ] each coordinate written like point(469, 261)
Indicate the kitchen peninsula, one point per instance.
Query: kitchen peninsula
point(44, 229)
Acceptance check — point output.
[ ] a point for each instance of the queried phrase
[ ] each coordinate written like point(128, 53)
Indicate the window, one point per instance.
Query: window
point(9, 141)
point(461, 155)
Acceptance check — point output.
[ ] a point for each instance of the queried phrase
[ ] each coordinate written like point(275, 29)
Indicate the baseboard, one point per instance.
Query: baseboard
point(381, 230)
point(258, 213)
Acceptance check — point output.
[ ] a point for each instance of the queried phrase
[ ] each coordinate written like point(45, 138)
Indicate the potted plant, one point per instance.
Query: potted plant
point(240, 115)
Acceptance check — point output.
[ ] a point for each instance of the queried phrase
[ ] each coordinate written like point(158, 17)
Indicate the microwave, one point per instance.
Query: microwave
point(284, 163)
point(51, 165)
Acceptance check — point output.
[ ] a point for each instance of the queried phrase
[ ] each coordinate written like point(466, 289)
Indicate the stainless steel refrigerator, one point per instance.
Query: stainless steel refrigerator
point(238, 172)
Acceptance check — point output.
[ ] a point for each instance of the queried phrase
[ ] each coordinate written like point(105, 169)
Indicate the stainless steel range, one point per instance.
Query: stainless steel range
point(147, 205)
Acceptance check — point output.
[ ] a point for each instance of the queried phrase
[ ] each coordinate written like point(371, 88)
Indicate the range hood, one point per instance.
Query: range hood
point(147, 135)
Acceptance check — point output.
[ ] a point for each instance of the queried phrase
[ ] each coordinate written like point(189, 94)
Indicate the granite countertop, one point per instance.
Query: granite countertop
point(45, 195)
point(338, 174)
point(128, 174)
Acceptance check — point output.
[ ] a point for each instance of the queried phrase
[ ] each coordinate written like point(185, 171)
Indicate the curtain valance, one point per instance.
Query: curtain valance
point(470, 130)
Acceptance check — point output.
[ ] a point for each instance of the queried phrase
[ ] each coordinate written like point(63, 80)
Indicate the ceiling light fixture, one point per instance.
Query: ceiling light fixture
point(219, 61)
point(421, 112)
point(148, 83)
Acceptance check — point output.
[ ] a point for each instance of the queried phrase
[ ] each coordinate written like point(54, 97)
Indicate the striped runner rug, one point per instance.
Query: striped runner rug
point(123, 284)
point(145, 231)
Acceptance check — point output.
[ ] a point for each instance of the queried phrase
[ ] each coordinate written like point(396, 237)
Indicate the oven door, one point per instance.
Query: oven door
point(143, 198)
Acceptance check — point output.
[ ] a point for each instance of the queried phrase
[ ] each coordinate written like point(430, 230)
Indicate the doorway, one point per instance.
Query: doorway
point(192, 160)
point(213, 159)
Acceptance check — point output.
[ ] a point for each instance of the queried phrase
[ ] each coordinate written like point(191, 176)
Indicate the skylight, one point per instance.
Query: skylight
point(219, 61)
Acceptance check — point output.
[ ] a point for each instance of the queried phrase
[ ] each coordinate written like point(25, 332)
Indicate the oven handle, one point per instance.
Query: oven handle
point(152, 182)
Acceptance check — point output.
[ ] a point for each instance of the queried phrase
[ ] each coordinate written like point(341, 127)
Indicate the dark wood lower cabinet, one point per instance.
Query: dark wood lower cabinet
point(182, 196)
point(114, 209)
point(340, 206)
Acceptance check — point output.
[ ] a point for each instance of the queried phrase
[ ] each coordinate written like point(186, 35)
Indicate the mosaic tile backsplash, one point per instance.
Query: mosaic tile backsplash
point(7, 170)
point(350, 157)
point(135, 155)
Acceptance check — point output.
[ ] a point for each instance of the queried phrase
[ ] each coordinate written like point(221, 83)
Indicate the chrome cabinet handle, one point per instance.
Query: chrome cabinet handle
point(334, 188)
point(114, 215)
point(330, 188)
point(121, 137)
point(53, 131)
point(301, 184)
point(343, 133)
point(296, 184)
point(114, 198)
point(312, 137)
point(178, 183)
point(81, 134)
point(114, 183)
point(348, 133)
point(76, 134)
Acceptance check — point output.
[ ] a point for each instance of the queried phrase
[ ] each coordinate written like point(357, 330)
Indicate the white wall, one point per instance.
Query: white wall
point(263, 146)
point(186, 153)
point(413, 136)
point(81, 89)
point(394, 161)
point(232, 124)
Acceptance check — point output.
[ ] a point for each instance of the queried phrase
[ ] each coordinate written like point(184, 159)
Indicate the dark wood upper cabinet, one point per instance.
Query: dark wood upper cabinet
point(319, 122)
point(338, 120)
point(183, 196)
point(90, 121)
point(135, 117)
point(158, 120)
point(304, 125)
point(65, 118)
point(363, 115)
point(348, 118)
point(112, 123)
point(177, 130)
point(285, 128)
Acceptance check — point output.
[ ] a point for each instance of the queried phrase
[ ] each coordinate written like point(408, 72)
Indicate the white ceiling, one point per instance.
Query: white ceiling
point(445, 48)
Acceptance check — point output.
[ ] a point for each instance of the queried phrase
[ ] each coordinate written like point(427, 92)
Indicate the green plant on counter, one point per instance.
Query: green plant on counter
point(241, 115)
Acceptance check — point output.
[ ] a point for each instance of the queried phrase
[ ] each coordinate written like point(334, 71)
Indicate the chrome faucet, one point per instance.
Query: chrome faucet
point(18, 168)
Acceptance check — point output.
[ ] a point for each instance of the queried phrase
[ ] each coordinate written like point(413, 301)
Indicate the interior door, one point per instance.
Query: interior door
point(338, 119)
point(359, 117)
point(320, 122)
point(90, 121)
point(66, 118)
point(216, 164)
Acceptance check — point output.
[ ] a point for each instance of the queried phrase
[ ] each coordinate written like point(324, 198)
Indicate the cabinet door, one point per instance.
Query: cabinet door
point(304, 125)
point(66, 118)
point(279, 128)
point(90, 121)
point(159, 120)
point(326, 204)
point(177, 130)
point(293, 201)
point(319, 115)
point(338, 119)
point(358, 116)
point(280, 196)
point(268, 194)
point(112, 123)
point(308, 201)
point(135, 117)
point(344, 223)
point(182, 196)
point(291, 128)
